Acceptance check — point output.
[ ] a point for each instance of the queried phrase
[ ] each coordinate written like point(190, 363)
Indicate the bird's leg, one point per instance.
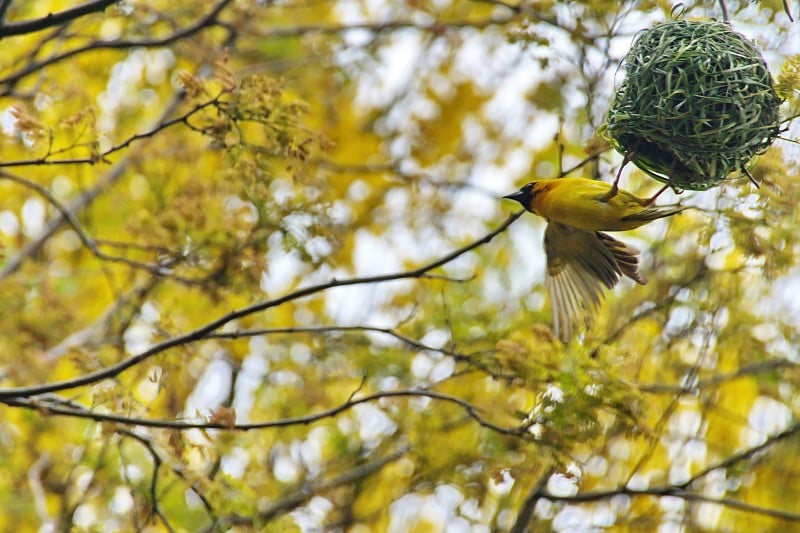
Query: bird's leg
point(652, 199)
point(615, 186)
point(669, 184)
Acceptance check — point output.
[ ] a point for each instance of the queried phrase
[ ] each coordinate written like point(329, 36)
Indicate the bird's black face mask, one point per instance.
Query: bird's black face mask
point(523, 196)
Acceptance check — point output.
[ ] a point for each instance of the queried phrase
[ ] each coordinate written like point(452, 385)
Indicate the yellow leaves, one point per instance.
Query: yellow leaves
point(25, 122)
point(787, 84)
point(734, 400)
point(548, 94)
point(779, 184)
point(223, 73)
point(437, 135)
point(234, 198)
point(84, 118)
point(225, 416)
point(27, 125)
point(254, 119)
point(193, 85)
point(389, 484)
point(530, 353)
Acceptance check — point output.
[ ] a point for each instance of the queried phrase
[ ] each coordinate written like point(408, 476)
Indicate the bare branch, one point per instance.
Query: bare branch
point(212, 326)
point(55, 405)
point(682, 491)
point(51, 19)
point(154, 476)
point(677, 493)
point(723, 5)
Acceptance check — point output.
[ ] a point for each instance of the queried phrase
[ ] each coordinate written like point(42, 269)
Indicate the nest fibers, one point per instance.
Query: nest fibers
point(697, 104)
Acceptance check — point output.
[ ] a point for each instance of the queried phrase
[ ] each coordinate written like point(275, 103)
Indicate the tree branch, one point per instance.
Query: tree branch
point(682, 491)
point(212, 326)
point(744, 455)
point(51, 19)
point(157, 461)
point(677, 493)
point(526, 513)
point(55, 405)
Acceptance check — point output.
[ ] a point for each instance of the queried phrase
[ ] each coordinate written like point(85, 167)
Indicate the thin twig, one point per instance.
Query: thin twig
point(744, 455)
point(157, 462)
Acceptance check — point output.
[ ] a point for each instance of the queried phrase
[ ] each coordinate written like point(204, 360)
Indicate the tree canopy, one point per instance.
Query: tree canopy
point(256, 273)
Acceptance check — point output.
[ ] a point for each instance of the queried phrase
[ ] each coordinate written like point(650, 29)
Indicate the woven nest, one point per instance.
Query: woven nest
point(697, 104)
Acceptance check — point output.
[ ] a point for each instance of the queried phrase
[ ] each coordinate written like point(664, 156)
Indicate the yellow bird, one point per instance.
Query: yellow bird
point(580, 258)
point(591, 205)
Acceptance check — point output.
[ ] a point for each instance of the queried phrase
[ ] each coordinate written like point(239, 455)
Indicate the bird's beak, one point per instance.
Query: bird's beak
point(516, 196)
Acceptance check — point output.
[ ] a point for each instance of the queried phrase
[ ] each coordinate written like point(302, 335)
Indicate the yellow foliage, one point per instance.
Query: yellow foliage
point(229, 176)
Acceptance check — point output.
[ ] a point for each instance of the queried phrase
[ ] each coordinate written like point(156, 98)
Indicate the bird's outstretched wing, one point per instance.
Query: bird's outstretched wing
point(579, 264)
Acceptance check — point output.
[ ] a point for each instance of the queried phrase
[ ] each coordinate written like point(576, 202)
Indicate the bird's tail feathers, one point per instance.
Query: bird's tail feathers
point(626, 256)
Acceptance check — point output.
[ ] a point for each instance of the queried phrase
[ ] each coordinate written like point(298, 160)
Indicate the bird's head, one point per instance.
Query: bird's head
point(524, 196)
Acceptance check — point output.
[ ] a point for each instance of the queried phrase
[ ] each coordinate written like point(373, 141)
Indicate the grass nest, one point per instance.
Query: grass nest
point(697, 103)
